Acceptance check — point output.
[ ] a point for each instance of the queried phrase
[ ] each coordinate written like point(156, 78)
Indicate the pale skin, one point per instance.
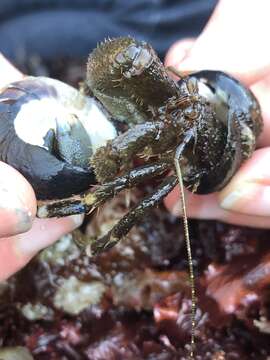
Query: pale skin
point(235, 40)
point(233, 23)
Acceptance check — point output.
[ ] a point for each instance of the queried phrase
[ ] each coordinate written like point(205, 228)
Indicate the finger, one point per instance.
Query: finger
point(233, 43)
point(207, 207)
point(261, 90)
point(17, 202)
point(8, 72)
point(17, 198)
point(249, 191)
point(178, 52)
point(16, 251)
point(244, 201)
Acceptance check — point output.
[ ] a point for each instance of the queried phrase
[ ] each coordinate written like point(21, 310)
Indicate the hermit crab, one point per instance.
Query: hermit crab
point(80, 150)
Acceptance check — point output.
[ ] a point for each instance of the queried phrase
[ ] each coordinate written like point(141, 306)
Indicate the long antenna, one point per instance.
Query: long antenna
point(189, 254)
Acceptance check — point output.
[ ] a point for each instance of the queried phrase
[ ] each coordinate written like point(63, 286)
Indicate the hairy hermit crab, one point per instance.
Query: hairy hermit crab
point(64, 142)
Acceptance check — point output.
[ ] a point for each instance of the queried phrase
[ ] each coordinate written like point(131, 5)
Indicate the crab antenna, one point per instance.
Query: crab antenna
point(189, 253)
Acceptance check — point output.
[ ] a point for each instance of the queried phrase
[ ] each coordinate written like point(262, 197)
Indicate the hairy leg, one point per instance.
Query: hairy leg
point(133, 217)
point(141, 140)
point(150, 138)
point(89, 201)
point(137, 213)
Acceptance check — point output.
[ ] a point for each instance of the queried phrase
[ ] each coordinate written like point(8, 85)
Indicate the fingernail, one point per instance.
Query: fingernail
point(177, 209)
point(248, 198)
point(249, 190)
point(15, 217)
point(77, 219)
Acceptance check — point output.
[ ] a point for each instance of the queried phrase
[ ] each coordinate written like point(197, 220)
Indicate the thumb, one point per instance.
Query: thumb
point(234, 40)
point(17, 202)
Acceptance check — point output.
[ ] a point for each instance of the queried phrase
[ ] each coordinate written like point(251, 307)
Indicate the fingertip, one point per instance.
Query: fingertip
point(220, 46)
point(244, 201)
point(261, 91)
point(17, 251)
point(17, 202)
point(178, 51)
point(197, 206)
point(45, 232)
point(8, 72)
point(249, 191)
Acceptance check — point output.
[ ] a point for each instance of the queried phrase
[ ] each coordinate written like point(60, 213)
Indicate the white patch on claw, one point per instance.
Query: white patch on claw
point(35, 118)
point(60, 103)
point(99, 128)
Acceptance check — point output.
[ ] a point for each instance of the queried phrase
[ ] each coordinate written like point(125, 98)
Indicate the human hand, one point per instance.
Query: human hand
point(21, 234)
point(235, 40)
